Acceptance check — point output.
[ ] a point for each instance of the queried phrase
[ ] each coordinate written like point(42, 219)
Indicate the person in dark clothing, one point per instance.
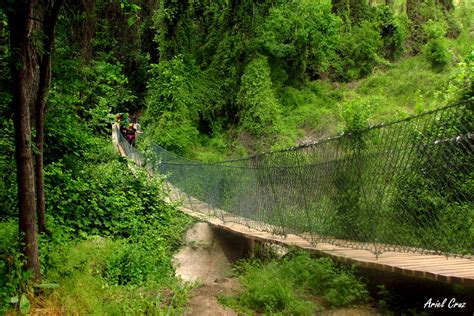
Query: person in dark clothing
point(131, 134)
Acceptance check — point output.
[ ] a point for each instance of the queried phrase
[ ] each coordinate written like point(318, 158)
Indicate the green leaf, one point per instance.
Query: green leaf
point(24, 304)
point(131, 20)
point(14, 299)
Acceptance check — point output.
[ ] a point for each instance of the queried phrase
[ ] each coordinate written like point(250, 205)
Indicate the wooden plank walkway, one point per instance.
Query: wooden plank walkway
point(432, 267)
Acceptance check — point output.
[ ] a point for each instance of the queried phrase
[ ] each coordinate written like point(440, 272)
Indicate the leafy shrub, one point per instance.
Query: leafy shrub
point(180, 97)
point(463, 13)
point(87, 272)
point(358, 52)
point(285, 286)
point(102, 199)
point(14, 280)
point(301, 34)
point(306, 112)
point(259, 108)
point(454, 26)
point(419, 14)
point(339, 287)
point(89, 92)
point(8, 186)
point(146, 256)
point(436, 50)
point(355, 114)
point(267, 291)
point(393, 30)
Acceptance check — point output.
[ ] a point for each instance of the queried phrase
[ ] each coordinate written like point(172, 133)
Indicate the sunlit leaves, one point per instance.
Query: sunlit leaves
point(303, 31)
point(260, 111)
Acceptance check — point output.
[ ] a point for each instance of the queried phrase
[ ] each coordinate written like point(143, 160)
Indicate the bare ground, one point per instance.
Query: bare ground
point(207, 259)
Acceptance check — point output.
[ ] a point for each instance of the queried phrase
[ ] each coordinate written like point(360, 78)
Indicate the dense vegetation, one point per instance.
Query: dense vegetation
point(106, 227)
point(213, 79)
point(290, 286)
point(110, 237)
point(251, 76)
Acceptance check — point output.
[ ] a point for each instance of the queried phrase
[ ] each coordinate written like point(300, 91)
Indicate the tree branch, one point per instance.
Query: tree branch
point(35, 19)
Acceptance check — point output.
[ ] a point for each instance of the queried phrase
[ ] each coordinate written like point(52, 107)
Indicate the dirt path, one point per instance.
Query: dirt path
point(204, 299)
point(207, 259)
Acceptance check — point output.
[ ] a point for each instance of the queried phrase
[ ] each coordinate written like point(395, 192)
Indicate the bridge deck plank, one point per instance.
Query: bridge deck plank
point(427, 266)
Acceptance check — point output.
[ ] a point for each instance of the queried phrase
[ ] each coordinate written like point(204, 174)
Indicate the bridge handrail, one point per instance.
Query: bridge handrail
point(402, 185)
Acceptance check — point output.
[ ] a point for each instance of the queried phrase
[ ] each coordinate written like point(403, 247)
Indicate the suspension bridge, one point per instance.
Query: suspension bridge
point(394, 197)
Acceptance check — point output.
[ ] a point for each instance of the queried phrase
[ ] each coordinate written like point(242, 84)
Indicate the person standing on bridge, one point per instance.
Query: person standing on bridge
point(131, 134)
point(119, 120)
point(137, 127)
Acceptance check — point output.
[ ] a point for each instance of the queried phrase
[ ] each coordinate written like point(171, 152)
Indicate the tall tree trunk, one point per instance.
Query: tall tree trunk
point(50, 20)
point(83, 25)
point(31, 73)
point(25, 77)
point(39, 141)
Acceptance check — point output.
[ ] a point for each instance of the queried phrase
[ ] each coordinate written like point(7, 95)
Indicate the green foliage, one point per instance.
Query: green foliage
point(461, 85)
point(224, 67)
point(358, 52)
point(8, 185)
point(174, 34)
point(286, 286)
point(14, 280)
point(91, 93)
point(411, 86)
point(115, 32)
point(351, 11)
point(300, 40)
point(437, 53)
point(373, 35)
point(421, 13)
point(303, 34)
point(180, 100)
point(436, 50)
point(86, 272)
point(464, 13)
point(92, 200)
point(130, 270)
point(355, 114)
point(307, 113)
point(439, 189)
point(393, 30)
point(259, 108)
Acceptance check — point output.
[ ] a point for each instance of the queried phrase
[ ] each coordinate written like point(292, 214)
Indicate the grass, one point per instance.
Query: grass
point(98, 275)
point(294, 285)
point(405, 88)
point(85, 285)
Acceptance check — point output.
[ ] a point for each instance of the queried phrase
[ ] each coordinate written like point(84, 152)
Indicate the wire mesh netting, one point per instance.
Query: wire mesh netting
point(404, 186)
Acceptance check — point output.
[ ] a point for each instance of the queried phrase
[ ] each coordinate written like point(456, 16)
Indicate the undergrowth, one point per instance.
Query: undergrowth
point(294, 285)
point(316, 109)
point(101, 276)
point(109, 243)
